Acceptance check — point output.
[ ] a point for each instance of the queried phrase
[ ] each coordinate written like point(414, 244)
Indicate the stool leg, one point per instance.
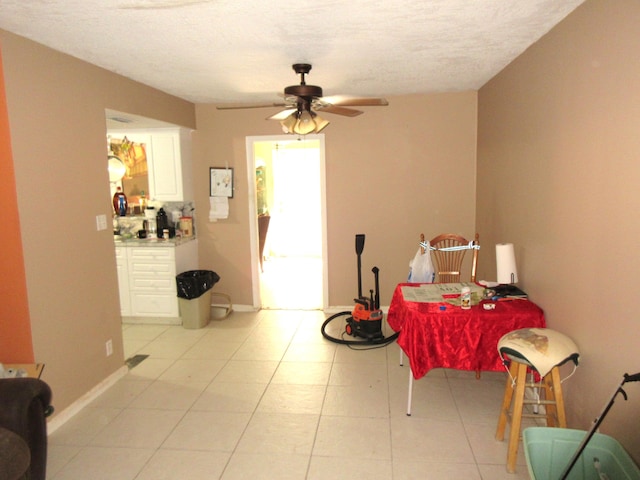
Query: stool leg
point(551, 412)
point(557, 394)
point(506, 401)
point(516, 418)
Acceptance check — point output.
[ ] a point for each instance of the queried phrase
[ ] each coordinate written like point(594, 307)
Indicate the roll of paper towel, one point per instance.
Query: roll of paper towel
point(506, 263)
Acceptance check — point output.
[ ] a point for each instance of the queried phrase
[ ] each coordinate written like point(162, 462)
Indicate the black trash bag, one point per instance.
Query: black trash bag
point(194, 283)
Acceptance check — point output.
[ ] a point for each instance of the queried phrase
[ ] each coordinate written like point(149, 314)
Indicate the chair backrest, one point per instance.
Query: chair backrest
point(449, 263)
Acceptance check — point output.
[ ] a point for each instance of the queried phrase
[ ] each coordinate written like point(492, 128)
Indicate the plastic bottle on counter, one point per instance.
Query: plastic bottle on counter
point(120, 204)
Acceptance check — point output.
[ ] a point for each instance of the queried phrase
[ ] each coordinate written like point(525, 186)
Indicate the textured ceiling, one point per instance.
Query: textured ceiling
point(221, 51)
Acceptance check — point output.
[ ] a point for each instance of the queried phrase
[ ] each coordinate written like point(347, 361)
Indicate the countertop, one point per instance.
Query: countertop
point(151, 242)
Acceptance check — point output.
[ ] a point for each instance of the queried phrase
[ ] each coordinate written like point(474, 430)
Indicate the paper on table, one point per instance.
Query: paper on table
point(433, 292)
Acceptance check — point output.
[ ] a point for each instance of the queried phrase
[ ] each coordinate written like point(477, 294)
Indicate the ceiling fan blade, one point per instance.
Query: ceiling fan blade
point(347, 112)
point(283, 114)
point(239, 106)
point(348, 101)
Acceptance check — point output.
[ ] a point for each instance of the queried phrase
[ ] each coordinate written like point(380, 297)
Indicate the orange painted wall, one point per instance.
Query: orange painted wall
point(15, 325)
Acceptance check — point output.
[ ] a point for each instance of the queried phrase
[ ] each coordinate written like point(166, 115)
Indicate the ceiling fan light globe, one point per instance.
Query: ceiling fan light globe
point(304, 127)
point(305, 123)
point(320, 122)
point(289, 123)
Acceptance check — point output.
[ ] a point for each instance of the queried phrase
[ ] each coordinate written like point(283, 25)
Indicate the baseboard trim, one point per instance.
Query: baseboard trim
point(349, 308)
point(65, 415)
point(329, 310)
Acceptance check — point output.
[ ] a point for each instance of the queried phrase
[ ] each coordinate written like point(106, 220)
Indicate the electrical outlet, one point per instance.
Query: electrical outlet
point(109, 348)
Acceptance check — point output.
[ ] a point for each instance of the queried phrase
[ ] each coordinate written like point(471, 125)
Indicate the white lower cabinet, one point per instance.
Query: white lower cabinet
point(151, 277)
point(152, 280)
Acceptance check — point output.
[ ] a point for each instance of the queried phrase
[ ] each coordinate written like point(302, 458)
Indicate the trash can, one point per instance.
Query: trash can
point(194, 297)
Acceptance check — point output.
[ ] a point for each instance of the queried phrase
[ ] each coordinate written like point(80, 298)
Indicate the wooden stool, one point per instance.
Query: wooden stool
point(542, 351)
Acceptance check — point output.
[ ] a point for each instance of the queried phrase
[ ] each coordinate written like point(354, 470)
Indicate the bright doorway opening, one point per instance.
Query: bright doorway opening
point(289, 207)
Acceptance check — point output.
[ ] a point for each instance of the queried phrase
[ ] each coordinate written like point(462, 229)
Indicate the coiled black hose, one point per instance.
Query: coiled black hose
point(382, 341)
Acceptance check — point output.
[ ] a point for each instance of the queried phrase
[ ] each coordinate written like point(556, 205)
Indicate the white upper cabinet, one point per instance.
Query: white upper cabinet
point(168, 153)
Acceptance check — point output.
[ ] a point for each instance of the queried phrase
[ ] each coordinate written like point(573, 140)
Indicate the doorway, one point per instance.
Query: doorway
point(287, 175)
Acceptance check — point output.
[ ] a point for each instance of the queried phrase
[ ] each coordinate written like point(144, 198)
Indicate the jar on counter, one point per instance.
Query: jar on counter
point(186, 226)
point(465, 298)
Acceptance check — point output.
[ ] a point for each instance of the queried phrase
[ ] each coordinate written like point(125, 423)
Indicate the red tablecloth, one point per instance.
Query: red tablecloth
point(457, 338)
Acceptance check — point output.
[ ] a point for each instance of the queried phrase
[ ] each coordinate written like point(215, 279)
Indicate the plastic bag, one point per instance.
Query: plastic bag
point(194, 283)
point(420, 268)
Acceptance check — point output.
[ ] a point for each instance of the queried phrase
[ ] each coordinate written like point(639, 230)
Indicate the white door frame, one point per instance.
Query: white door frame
point(253, 214)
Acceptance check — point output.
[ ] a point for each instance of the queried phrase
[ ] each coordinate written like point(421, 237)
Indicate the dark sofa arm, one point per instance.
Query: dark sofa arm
point(24, 406)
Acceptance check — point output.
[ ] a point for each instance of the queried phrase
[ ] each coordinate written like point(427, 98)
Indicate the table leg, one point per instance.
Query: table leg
point(410, 394)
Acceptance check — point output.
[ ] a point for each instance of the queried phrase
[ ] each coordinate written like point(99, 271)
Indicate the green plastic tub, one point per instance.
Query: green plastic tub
point(549, 450)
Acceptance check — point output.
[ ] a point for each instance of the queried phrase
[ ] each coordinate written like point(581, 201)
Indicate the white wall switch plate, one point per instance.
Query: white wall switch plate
point(101, 222)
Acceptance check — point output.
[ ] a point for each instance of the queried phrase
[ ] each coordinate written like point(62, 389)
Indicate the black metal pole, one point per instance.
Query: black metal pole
point(359, 248)
point(375, 271)
point(598, 421)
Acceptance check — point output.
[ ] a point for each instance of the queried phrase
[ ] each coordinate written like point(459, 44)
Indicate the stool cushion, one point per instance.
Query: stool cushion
point(542, 348)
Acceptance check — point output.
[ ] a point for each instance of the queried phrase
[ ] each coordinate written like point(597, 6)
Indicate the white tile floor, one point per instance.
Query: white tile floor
point(264, 396)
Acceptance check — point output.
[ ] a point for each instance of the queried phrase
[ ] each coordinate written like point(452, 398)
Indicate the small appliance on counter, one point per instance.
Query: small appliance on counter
point(162, 223)
point(150, 218)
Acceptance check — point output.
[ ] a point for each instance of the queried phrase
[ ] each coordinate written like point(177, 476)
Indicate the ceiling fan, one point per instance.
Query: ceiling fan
point(302, 102)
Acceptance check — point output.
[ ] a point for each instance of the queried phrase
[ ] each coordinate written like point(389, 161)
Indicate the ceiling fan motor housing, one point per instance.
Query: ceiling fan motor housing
point(303, 90)
point(310, 91)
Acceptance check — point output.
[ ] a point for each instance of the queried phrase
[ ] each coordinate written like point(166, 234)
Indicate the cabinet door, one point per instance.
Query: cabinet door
point(165, 167)
point(166, 150)
point(123, 281)
point(152, 281)
point(153, 304)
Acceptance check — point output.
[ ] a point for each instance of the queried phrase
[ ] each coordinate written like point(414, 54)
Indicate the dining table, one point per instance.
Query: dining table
point(434, 331)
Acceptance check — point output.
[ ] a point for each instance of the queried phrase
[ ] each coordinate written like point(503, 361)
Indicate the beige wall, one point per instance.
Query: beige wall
point(57, 122)
point(391, 174)
point(558, 175)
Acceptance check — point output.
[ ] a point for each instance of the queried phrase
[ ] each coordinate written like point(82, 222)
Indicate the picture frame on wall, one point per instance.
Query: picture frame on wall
point(221, 182)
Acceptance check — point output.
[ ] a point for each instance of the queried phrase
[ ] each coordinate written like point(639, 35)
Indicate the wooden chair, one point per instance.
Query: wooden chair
point(263, 227)
point(448, 263)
